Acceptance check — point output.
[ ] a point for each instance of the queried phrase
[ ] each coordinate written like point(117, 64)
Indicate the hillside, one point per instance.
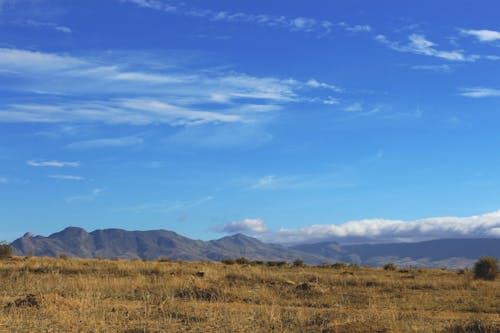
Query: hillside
point(155, 244)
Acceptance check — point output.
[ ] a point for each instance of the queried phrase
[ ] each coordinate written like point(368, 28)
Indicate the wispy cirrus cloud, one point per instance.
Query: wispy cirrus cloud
point(220, 136)
point(88, 197)
point(28, 13)
point(419, 44)
point(483, 35)
point(293, 24)
point(331, 100)
point(53, 163)
point(299, 181)
point(356, 27)
point(172, 95)
point(443, 68)
point(480, 92)
point(166, 206)
point(131, 111)
point(384, 231)
point(126, 141)
point(48, 25)
point(66, 177)
point(354, 107)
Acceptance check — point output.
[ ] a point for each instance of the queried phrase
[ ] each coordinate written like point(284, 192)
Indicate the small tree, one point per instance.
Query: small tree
point(486, 268)
point(242, 261)
point(228, 261)
point(5, 250)
point(390, 266)
point(298, 262)
point(339, 265)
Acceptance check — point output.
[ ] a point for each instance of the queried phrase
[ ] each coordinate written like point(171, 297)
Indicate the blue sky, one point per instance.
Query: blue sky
point(290, 121)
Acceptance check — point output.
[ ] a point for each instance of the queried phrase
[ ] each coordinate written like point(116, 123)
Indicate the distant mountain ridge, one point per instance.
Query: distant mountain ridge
point(450, 253)
point(155, 244)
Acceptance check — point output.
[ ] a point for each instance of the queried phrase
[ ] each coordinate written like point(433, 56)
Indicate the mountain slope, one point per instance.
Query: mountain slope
point(434, 253)
point(154, 244)
point(117, 243)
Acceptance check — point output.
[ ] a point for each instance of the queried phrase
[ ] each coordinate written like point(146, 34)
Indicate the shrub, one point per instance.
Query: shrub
point(486, 268)
point(5, 250)
point(476, 325)
point(298, 262)
point(164, 259)
point(242, 261)
point(63, 256)
point(339, 265)
point(390, 266)
point(276, 263)
point(228, 261)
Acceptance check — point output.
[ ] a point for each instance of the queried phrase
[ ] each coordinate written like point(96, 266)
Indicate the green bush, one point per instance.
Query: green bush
point(5, 250)
point(486, 268)
point(390, 266)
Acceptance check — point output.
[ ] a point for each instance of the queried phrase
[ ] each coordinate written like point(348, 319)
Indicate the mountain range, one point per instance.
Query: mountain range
point(156, 244)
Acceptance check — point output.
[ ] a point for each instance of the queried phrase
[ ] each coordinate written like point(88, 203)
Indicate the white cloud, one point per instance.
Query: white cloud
point(153, 4)
point(272, 182)
point(94, 194)
point(66, 177)
point(483, 35)
point(245, 225)
point(355, 107)
point(331, 100)
point(221, 136)
point(294, 24)
point(480, 92)
point(273, 89)
point(49, 25)
point(178, 114)
point(316, 84)
point(491, 57)
point(265, 182)
point(144, 77)
point(418, 44)
point(170, 94)
point(383, 231)
point(126, 141)
point(444, 68)
point(56, 164)
point(131, 111)
point(355, 28)
point(166, 206)
point(23, 61)
point(303, 24)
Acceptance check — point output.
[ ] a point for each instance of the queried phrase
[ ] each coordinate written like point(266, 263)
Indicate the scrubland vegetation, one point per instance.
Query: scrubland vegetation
point(76, 295)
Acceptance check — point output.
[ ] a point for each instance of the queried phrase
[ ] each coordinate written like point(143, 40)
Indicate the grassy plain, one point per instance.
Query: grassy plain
point(76, 295)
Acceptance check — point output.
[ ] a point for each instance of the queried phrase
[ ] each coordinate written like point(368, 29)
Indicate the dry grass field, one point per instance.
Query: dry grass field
point(74, 295)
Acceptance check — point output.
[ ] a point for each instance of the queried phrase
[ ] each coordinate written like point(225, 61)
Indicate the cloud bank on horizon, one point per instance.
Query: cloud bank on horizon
point(374, 230)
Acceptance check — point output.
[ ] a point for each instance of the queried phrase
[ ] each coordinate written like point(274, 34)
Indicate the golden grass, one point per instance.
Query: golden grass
point(76, 295)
